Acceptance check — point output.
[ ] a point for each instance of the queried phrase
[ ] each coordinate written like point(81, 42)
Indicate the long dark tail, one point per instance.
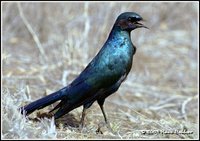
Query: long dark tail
point(41, 103)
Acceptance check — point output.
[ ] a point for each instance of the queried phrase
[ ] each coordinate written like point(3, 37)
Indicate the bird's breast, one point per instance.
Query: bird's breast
point(124, 51)
point(119, 57)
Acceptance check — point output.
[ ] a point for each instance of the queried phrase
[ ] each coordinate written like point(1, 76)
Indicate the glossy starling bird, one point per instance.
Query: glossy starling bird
point(102, 76)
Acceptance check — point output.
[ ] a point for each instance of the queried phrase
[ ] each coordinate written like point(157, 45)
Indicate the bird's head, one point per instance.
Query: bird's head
point(129, 21)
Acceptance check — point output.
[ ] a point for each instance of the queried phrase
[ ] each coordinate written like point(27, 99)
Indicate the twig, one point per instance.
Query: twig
point(30, 29)
point(183, 107)
point(162, 106)
point(64, 77)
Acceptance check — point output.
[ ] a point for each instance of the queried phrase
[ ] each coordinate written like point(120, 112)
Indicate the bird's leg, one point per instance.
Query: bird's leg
point(85, 107)
point(83, 116)
point(104, 115)
point(101, 102)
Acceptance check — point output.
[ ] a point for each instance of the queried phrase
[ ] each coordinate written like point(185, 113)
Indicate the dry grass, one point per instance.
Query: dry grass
point(46, 45)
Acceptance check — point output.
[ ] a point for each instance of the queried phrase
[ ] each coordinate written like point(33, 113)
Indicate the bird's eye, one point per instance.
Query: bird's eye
point(132, 19)
point(129, 18)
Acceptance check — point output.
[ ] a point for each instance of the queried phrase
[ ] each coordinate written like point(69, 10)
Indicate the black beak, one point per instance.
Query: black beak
point(140, 25)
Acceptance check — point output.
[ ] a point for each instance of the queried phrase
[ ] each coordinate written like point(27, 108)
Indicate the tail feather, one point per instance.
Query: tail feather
point(41, 103)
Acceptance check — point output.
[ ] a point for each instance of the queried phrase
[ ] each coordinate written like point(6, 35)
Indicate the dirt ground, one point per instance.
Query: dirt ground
point(46, 45)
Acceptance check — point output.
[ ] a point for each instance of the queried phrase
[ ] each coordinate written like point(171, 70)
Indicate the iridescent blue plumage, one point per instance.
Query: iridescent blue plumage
point(103, 75)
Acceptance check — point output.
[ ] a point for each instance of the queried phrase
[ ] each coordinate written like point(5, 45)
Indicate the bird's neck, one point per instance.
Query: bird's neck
point(118, 32)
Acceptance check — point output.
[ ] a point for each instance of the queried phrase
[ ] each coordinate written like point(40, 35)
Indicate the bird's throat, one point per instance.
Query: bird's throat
point(117, 32)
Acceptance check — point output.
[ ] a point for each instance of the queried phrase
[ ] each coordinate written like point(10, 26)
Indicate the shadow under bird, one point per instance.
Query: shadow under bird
point(102, 76)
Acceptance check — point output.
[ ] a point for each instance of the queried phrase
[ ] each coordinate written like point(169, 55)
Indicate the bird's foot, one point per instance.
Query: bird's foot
point(110, 128)
point(107, 125)
point(82, 127)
